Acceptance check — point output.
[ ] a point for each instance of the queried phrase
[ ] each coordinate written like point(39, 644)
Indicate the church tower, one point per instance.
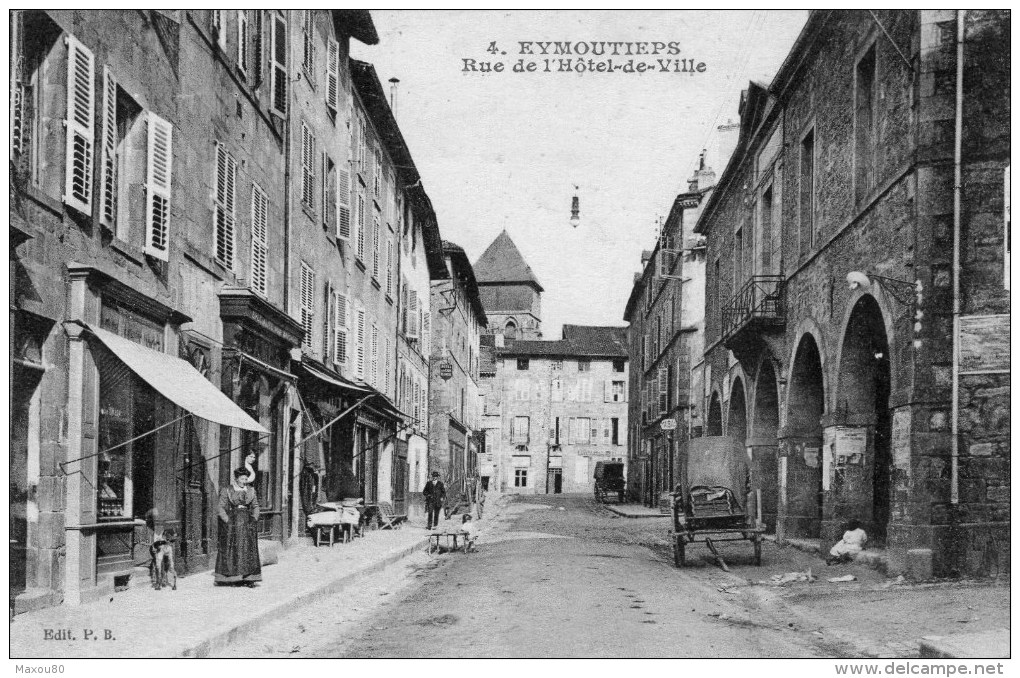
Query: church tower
point(510, 292)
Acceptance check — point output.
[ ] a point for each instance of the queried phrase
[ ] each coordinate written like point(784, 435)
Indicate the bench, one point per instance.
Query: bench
point(388, 519)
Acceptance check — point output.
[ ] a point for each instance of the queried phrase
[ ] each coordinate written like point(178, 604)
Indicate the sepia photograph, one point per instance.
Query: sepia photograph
point(510, 334)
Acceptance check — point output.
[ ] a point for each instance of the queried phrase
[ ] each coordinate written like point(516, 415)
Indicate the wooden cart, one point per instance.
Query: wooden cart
point(711, 513)
point(610, 481)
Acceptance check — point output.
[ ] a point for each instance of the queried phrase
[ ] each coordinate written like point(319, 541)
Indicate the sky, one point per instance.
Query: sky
point(506, 149)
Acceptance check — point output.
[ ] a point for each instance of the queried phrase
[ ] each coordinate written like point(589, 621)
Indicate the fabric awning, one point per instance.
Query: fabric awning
point(339, 382)
point(178, 381)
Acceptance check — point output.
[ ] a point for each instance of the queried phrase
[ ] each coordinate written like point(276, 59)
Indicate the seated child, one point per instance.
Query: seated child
point(470, 532)
point(850, 545)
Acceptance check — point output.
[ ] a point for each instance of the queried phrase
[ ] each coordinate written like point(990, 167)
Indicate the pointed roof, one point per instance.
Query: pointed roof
point(502, 263)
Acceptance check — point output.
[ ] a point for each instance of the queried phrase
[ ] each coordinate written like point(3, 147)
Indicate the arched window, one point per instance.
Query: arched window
point(510, 331)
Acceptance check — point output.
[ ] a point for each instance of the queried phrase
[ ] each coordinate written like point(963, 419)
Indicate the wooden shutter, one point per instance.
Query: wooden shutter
point(412, 316)
point(242, 40)
point(257, 51)
point(157, 187)
point(343, 192)
point(332, 74)
point(343, 322)
point(375, 355)
point(389, 266)
point(362, 218)
point(278, 64)
point(226, 170)
point(80, 123)
point(259, 246)
point(361, 344)
point(328, 325)
point(329, 193)
point(307, 166)
point(426, 339)
point(307, 303)
point(108, 163)
point(608, 388)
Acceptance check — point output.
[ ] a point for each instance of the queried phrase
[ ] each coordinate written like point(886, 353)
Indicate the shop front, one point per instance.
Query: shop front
point(139, 420)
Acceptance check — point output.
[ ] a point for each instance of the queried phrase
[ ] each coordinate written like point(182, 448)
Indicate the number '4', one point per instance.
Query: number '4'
point(492, 48)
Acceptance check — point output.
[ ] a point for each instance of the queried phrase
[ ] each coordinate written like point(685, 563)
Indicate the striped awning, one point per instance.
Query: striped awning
point(178, 381)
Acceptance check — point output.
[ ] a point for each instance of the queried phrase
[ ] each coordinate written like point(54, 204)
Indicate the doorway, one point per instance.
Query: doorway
point(556, 480)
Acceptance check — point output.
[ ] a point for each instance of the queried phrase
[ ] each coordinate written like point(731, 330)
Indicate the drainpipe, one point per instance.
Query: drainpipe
point(293, 478)
point(954, 491)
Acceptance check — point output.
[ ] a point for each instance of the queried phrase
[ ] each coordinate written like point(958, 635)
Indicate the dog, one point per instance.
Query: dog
point(161, 567)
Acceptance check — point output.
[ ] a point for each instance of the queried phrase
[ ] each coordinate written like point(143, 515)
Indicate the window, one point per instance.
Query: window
point(377, 173)
point(360, 343)
point(522, 389)
point(556, 388)
point(386, 367)
point(256, 65)
point(219, 28)
point(556, 365)
point(242, 41)
point(307, 167)
point(523, 363)
point(615, 426)
point(580, 430)
point(618, 365)
point(278, 64)
point(807, 193)
point(373, 375)
point(37, 42)
point(343, 193)
point(663, 389)
point(223, 210)
point(259, 246)
point(332, 75)
point(766, 230)
point(360, 248)
point(375, 247)
point(716, 288)
point(738, 258)
point(864, 124)
point(556, 432)
point(308, 52)
point(307, 303)
point(329, 194)
point(389, 266)
point(510, 331)
point(520, 477)
point(584, 365)
point(617, 394)
point(521, 430)
point(342, 322)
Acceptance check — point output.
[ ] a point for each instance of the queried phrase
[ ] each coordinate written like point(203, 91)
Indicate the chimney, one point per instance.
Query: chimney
point(393, 95)
point(726, 141)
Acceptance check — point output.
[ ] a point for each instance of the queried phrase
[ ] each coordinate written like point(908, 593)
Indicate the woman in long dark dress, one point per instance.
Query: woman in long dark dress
point(237, 561)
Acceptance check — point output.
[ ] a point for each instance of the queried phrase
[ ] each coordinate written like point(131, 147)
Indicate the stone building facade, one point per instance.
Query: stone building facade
point(454, 408)
point(563, 408)
point(163, 211)
point(848, 302)
point(665, 337)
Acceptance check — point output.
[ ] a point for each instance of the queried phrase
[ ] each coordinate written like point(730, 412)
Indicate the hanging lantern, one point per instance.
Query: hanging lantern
point(575, 210)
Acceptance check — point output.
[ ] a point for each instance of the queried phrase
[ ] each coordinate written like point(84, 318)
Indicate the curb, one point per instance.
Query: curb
point(620, 513)
point(223, 638)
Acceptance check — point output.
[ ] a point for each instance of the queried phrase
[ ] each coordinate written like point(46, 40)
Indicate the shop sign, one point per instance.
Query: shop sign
point(446, 371)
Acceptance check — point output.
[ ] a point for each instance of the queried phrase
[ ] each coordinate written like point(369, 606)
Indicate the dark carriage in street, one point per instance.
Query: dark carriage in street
point(712, 514)
point(610, 480)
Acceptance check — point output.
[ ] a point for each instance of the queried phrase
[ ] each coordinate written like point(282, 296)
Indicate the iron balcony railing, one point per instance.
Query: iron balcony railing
point(759, 301)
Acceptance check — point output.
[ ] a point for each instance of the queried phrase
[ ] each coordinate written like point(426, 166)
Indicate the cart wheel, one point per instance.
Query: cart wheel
point(757, 551)
point(679, 555)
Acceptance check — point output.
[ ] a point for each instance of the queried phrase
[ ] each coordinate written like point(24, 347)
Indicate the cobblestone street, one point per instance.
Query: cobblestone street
point(561, 576)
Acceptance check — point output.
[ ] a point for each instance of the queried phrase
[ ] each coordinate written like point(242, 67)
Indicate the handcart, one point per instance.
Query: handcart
point(712, 514)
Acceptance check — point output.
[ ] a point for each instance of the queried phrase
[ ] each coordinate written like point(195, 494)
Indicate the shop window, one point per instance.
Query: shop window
point(521, 477)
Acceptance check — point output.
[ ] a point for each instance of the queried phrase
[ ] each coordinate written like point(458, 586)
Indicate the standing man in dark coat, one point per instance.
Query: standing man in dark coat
point(435, 496)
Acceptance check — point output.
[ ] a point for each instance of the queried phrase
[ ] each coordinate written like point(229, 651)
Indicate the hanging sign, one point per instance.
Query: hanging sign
point(668, 425)
point(446, 371)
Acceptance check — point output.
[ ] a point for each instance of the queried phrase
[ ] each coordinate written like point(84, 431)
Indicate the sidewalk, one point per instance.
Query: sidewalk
point(199, 617)
point(635, 511)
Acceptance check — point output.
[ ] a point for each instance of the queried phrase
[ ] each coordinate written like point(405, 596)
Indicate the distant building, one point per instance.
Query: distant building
point(563, 407)
point(454, 409)
point(665, 313)
point(510, 292)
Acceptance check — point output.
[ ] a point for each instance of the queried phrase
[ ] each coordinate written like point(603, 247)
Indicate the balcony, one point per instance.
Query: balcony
point(759, 305)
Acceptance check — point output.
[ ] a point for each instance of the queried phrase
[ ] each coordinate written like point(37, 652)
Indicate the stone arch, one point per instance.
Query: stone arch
point(801, 443)
point(862, 442)
point(511, 328)
point(714, 424)
point(736, 416)
point(762, 441)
